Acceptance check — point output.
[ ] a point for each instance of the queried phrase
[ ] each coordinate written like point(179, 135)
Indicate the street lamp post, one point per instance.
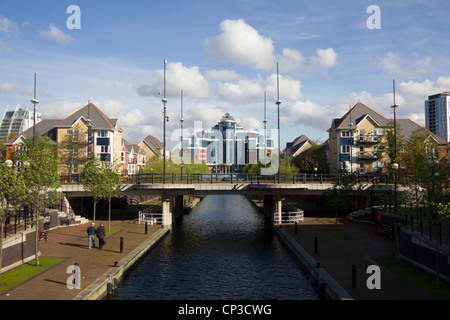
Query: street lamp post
point(164, 101)
point(34, 101)
point(279, 143)
point(395, 164)
point(181, 138)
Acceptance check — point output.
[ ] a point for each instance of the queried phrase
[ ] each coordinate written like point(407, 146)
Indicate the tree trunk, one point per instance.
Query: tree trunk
point(36, 243)
point(95, 206)
point(109, 216)
point(437, 255)
point(2, 222)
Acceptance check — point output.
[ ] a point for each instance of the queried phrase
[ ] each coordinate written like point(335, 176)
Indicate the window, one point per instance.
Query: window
point(104, 149)
point(122, 156)
point(362, 169)
point(346, 133)
point(345, 149)
point(102, 133)
point(74, 134)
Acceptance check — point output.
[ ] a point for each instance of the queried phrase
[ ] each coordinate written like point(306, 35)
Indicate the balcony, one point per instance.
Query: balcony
point(367, 156)
point(367, 139)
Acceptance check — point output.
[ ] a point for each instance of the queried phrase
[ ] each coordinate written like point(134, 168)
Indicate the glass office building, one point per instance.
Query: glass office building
point(227, 147)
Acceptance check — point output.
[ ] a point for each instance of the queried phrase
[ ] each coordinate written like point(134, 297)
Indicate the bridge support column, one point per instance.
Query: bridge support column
point(178, 207)
point(279, 209)
point(269, 206)
point(167, 214)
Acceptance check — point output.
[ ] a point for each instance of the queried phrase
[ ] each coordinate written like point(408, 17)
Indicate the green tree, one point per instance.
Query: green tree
point(101, 179)
point(38, 163)
point(72, 151)
point(12, 193)
point(311, 159)
point(92, 180)
point(342, 193)
point(111, 184)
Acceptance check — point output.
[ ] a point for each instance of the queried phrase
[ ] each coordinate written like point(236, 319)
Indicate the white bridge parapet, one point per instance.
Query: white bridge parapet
point(289, 217)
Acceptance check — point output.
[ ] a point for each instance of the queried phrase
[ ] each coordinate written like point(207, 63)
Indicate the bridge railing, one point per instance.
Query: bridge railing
point(289, 217)
point(189, 178)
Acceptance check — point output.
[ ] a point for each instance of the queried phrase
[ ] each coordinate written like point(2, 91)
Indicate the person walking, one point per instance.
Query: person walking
point(91, 235)
point(101, 233)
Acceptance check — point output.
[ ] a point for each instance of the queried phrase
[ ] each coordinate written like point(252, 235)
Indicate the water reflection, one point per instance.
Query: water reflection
point(223, 250)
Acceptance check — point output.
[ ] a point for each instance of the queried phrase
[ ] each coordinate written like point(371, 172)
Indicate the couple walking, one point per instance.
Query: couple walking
point(100, 232)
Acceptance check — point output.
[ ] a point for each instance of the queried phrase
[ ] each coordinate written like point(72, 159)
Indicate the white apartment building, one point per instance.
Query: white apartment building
point(17, 120)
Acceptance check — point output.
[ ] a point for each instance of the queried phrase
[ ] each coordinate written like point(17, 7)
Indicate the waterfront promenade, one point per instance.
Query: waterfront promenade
point(335, 256)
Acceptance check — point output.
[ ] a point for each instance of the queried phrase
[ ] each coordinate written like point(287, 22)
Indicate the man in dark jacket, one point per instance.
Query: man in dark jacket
point(101, 233)
point(91, 235)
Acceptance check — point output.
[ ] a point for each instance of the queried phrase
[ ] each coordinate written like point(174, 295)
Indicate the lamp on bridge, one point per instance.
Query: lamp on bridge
point(164, 101)
point(279, 143)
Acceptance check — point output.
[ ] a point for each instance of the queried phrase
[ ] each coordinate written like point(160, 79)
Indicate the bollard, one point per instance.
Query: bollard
point(109, 288)
point(295, 227)
point(353, 276)
point(315, 245)
point(146, 228)
point(121, 244)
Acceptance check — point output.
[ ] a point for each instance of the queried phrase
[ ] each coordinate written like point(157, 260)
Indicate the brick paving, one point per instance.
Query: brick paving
point(338, 256)
point(69, 243)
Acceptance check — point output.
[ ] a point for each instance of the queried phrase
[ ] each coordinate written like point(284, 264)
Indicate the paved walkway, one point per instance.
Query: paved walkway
point(69, 242)
point(336, 256)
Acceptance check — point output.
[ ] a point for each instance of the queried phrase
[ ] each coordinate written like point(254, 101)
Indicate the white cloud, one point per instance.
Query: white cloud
point(178, 77)
point(242, 44)
point(398, 65)
point(293, 62)
point(10, 28)
point(307, 113)
point(250, 123)
point(55, 34)
point(243, 90)
point(7, 87)
point(223, 75)
point(289, 88)
point(59, 109)
point(325, 58)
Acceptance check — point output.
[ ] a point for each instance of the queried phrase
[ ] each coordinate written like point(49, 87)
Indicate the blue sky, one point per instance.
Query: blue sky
point(223, 55)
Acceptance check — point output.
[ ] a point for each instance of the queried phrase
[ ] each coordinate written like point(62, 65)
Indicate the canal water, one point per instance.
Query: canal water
point(223, 250)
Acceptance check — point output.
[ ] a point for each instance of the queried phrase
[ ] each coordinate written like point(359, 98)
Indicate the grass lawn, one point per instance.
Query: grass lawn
point(417, 277)
point(341, 235)
point(20, 274)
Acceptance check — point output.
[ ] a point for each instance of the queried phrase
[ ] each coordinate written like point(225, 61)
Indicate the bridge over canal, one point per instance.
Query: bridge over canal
point(174, 187)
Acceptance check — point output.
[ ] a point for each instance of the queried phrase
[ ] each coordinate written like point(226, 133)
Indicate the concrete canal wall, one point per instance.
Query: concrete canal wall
point(99, 288)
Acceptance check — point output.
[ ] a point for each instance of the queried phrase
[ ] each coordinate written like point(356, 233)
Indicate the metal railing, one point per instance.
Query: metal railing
point(289, 217)
point(189, 178)
point(152, 218)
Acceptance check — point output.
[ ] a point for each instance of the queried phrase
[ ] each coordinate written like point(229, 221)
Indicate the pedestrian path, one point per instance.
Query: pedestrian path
point(338, 256)
point(71, 243)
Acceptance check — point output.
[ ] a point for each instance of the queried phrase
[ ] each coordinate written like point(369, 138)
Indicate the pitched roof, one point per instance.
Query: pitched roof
point(43, 127)
point(99, 120)
point(297, 143)
point(407, 127)
point(357, 114)
point(153, 143)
